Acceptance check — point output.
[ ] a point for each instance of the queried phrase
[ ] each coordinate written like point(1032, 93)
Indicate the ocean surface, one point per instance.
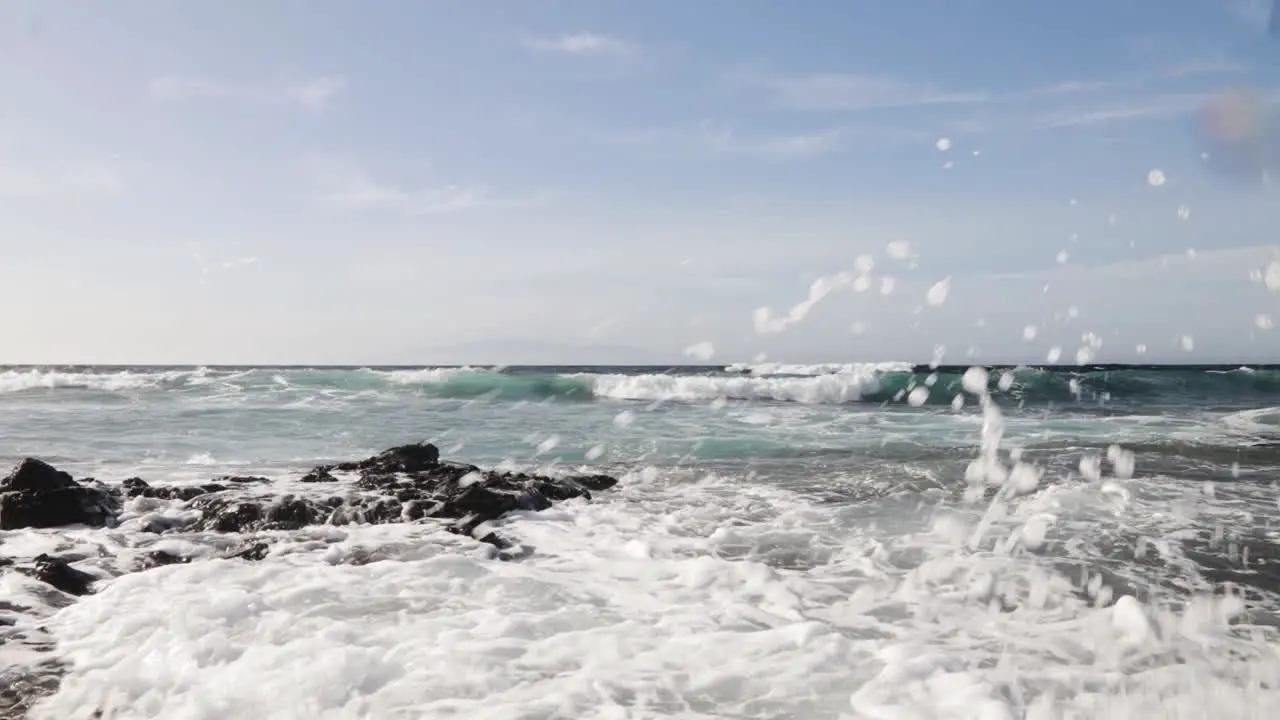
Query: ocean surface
point(837, 541)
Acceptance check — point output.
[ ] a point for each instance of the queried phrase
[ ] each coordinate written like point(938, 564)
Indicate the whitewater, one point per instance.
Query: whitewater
point(785, 541)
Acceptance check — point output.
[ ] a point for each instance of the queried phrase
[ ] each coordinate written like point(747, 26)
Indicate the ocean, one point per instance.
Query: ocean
point(836, 541)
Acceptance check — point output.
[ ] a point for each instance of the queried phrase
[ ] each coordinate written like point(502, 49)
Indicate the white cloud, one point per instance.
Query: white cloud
point(312, 94)
point(583, 44)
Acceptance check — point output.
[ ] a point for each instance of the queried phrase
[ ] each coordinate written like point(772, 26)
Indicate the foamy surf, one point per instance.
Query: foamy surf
point(757, 560)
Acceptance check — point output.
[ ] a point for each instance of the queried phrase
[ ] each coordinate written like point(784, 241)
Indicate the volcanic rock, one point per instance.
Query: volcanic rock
point(37, 495)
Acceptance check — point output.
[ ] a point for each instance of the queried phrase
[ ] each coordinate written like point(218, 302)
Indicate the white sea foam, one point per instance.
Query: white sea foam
point(835, 388)
point(774, 368)
point(669, 598)
point(12, 381)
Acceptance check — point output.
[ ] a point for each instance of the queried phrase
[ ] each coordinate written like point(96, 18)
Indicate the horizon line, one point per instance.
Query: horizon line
point(917, 368)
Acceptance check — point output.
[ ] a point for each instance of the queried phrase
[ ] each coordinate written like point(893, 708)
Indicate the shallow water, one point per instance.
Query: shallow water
point(785, 542)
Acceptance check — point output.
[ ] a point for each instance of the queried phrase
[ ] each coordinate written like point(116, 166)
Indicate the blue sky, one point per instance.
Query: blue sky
point(338, 182)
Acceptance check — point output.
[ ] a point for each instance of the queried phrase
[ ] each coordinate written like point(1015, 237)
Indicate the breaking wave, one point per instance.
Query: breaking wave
point(825, 384)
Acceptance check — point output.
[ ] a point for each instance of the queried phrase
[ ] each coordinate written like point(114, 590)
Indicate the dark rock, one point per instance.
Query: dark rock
point(403, 484)
point(37, 495)
point(319, 475)
point(32, 475)
point(594, 482)
point(5, 561)
point(137, 487)
point(253, 552)
point(225, 514)
point(404, 458)
point(59, 573)
point(160, 558)
point(242, 479)
point(290, 513)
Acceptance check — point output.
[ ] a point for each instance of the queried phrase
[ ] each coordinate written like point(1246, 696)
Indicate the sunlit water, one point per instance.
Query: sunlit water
point(814, 544)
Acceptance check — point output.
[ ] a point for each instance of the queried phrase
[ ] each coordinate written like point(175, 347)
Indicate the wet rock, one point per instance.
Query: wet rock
point(408, 483)
point(137, 487)
point(161, 558)
point(32, 475)
point(402, 484)
point(594, 482)
point(58, 573)
point(403, 458)
point(242, 480)
point(319, 475)
point(37, 495)
point(253, 552)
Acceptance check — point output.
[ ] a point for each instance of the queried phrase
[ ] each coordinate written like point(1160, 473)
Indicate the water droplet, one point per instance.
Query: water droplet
point(1155, 178)
point(1272, 277)
point(1029, 333)
point(938, 293)
point(943, 144)
point(1188, 343)
point(918, 396)
point(1184, 212)
point(1062, 257)
point(1263, 321)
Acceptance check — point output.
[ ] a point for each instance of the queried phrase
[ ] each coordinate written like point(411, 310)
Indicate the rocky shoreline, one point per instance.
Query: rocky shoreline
point(404, 484)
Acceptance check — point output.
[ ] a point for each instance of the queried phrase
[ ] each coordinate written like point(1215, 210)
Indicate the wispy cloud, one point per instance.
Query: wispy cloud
point(583, 44)
point(353, 189)
point(720, 138)
point(1120, 110)
point(312, 94)
point(846, 91)
point(1154, 94)
point(1206, 66)
point(725, 139)
point(59, 183)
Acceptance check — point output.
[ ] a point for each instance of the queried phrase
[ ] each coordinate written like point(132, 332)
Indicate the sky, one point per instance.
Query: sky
point(663, 181)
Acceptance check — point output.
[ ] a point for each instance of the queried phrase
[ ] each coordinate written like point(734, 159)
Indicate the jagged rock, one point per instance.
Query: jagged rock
point(37, 495)
point(59, 573)
point(253, 551)
point(319, 475)
point(137, 487)
point(402, 484)
point(32, 475)
point(403, 458)
point(242, 480)
point(160, 558)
